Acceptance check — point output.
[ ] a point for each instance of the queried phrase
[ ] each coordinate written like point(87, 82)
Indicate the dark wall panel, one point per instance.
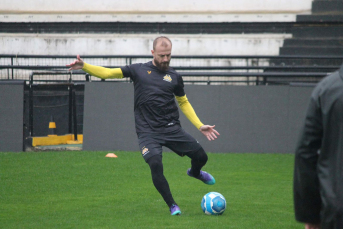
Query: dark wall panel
point(108, 117)
point(11, 117)
point(249, 119)
point(299, 99)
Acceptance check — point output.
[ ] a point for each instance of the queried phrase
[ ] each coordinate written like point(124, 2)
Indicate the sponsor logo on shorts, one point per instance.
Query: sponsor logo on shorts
point(167, 78)
point(145, 151)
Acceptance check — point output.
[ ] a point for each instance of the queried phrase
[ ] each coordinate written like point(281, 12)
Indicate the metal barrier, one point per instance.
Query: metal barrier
point(230, 70)
point(43, 84)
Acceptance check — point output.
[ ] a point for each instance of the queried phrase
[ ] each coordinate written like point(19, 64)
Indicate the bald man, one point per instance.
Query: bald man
point(157, 123)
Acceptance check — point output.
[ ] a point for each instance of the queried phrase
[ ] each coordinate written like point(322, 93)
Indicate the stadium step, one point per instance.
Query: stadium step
point(294, 42)
point(333, 31)
point(318, 34)
point(319, 18)
point(312, 50)
point(308, 69)
point(306, 62)
point(326, 7)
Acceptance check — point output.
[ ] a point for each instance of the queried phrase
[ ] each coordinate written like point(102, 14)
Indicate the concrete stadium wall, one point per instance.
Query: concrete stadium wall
point(11, 116)
point(139, 11)
point(140, 44)
point(150, 17)
point(263, 119)
point(153, 6)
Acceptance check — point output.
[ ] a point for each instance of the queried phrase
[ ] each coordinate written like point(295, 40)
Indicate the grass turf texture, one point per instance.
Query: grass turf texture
point(78, 189)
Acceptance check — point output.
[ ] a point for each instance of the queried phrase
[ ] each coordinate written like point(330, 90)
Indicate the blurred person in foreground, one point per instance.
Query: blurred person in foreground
point(318, 171)
point(156, 86)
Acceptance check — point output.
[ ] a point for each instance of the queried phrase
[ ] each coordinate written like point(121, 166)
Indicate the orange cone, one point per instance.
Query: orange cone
point(111, 155)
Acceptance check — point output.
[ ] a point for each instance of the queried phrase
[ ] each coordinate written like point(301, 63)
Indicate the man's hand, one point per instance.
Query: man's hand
point(76, 65)
point(209, 132)
point(312, 226)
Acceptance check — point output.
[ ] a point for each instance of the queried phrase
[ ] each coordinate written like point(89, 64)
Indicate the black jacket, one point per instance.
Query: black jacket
point(318, 172)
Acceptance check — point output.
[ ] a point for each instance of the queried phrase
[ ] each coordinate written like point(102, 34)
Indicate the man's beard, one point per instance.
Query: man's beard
point(162, 66)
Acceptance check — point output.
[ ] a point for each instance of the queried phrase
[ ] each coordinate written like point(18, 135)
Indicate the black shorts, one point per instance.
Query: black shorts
point(178, 141)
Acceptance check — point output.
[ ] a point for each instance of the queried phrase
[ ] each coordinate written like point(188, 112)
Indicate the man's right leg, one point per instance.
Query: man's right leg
point(151, 148)
point(161, 183)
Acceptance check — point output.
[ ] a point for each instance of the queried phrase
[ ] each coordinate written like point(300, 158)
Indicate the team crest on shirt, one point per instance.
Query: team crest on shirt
point(145, 151)
point(167, 78)
point(149, 72)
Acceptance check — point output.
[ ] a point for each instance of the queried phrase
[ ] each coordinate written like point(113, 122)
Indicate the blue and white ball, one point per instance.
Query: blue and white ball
point(213, 203)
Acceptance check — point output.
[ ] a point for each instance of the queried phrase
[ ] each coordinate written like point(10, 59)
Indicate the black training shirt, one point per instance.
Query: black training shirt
point(154, 104)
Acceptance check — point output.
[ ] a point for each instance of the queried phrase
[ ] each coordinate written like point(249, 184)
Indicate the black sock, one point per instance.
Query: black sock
point(159, 180)
point(199, 159)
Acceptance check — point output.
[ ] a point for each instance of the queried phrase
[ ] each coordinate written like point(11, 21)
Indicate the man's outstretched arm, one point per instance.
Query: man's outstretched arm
point(97, 71)
point(187, 109)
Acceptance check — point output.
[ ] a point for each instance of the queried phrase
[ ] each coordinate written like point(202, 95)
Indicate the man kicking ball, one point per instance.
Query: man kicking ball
point(157, 116)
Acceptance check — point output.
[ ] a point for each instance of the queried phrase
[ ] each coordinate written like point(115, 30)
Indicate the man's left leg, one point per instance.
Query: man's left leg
point(183, 144)
point(199, 159)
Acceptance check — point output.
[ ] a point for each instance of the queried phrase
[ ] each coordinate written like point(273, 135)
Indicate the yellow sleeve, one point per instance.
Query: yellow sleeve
point(188, 110)
point(103, 73)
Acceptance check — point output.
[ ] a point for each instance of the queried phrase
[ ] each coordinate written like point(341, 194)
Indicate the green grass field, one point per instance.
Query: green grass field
point(78, 189)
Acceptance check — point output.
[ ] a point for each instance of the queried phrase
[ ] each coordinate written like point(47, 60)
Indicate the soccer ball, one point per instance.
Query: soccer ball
point(213, 203)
